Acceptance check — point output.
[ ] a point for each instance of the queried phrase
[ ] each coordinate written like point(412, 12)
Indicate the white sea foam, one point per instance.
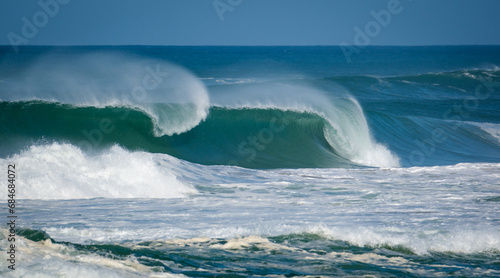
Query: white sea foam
point(460, 240)
point(47, 259)
point(424, 209)
point(63, 171)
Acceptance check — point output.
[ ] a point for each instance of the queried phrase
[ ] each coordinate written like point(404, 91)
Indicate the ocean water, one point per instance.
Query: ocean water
point(251, 161)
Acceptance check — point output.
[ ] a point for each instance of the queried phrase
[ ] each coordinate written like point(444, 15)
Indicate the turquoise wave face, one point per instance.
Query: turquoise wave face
point(254, 138)
point(248, 137)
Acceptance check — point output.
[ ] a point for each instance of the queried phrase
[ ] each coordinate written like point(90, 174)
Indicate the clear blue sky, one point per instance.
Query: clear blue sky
point(252, 22)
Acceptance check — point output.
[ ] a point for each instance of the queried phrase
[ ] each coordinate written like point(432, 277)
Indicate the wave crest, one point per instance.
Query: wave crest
point(346, 131)
point(105, 79)
point(62, 171)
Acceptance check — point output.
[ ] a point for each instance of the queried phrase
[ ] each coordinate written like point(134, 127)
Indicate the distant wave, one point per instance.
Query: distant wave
point(433, 85)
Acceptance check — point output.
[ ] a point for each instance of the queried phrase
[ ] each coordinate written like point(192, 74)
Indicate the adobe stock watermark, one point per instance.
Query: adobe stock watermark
point(223, 6)
point(371, 30)
point(150, 81)
point(459, 113)
point(30, 28)
point(259, 141)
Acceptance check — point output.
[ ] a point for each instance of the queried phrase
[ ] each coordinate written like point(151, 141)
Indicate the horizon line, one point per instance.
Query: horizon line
point(241, 45)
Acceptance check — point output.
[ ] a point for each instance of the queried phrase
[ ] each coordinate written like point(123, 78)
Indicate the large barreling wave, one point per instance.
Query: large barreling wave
point(98, 100)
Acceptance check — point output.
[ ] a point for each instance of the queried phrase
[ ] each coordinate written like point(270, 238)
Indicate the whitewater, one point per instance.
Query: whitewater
point(287, 161)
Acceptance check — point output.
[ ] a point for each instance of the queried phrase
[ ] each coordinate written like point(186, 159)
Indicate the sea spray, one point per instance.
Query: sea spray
point(103, 79)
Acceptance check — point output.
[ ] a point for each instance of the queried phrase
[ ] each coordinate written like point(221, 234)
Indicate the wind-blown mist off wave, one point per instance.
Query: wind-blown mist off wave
point(175, 100)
